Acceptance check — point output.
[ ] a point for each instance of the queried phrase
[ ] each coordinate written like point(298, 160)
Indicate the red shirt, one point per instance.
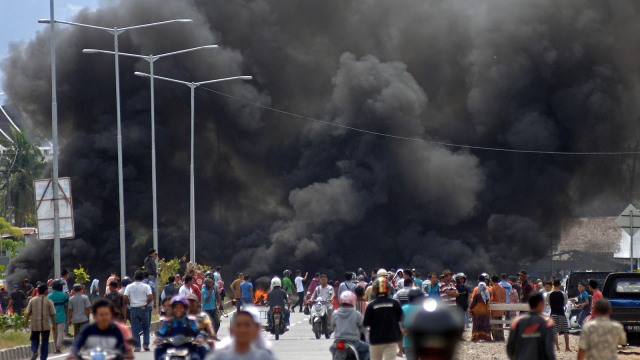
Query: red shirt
point(597, 295)
point(196, 290)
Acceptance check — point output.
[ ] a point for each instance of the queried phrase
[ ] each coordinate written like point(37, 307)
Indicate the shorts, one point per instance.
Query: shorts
point(561, 324)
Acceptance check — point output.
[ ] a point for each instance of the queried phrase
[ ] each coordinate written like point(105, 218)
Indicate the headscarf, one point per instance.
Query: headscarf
point(482, 288)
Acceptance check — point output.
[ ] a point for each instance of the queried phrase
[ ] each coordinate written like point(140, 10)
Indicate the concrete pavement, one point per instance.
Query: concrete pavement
point(296, 344)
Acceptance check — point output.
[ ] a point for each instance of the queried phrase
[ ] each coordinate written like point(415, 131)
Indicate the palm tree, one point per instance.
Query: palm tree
point(20, 164)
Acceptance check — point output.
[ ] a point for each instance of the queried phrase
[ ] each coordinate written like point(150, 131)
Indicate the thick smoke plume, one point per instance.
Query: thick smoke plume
point(275, 191)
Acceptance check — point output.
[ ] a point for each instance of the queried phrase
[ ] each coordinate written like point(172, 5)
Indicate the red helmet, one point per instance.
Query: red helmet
point(348, 298)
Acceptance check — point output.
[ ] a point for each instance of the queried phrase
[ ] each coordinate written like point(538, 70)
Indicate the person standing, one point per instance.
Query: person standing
point(557, 302)
point(448, 292)
point(504, 282)
point(170, 290)
point(314, 283)
point(210, 299)
point(415, 304)
point(498, 296)
point(595, 295)
point(526, 287)
point(299, 282)
point(61, 303)
point(583, 303)
point(139, 297)
point(601, 336)
point(246, 291)
point(383, 317)
point(235, 287)
point(114, 277)
point(79, 310)
point(463, 296)
point(531, 335)
point(479, 310)
point(117, 299)
point(17, 300)
point(287, 286)
point(432, 288)
point(217, 275)
point(185, 289)
point(42, 314)
point(151, 266)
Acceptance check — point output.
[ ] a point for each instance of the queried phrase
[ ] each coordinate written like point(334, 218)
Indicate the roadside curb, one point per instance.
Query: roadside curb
point(24, 352)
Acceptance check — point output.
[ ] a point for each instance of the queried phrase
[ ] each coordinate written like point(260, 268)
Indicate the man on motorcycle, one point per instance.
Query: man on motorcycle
point(245, 338)
point(103, 333)
point(204, 322)
point(347, 322)
point(324, 292)
point(180, 324)
point(278, 297)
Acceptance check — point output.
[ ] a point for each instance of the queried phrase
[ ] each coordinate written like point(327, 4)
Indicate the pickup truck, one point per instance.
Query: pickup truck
point(623, 292)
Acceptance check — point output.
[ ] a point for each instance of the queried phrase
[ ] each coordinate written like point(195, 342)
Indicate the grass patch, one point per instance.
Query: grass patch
point(11, 339)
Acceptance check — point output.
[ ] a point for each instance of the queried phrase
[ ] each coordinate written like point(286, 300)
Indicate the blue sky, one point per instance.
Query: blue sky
point(18, 19)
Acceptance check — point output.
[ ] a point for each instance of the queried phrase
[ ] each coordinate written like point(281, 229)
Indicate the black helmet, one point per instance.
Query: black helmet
point(436, 329)
point(57, 285)
point(126, 281)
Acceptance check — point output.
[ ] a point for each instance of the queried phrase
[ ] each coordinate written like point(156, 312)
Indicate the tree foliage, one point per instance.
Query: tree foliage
point(166, 269)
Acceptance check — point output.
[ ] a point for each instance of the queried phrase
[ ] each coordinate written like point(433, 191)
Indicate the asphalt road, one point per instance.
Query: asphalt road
point(299, 342)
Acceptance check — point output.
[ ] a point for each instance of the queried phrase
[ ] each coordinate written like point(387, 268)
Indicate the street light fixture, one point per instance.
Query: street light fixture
point(192, 211)
point(151, 59)
point(115, 31)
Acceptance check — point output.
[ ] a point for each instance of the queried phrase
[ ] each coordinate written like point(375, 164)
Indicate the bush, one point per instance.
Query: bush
point(9, 322)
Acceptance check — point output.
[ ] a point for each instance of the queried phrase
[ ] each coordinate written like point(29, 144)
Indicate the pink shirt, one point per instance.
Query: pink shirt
point(597, 295)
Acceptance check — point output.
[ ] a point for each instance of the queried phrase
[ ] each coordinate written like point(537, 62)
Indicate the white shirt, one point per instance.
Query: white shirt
point(137, 292)
point(184, 291)
point(299, 286)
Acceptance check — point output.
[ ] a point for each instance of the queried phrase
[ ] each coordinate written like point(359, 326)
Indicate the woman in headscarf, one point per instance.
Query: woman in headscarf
point(479, 310)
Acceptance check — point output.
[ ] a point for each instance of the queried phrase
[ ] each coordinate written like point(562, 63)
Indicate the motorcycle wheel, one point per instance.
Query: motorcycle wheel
point(317, 329)
point(317, 335)
point(277, 334)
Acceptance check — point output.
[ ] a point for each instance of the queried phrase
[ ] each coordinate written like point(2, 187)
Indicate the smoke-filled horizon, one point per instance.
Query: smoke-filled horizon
point(275, 192)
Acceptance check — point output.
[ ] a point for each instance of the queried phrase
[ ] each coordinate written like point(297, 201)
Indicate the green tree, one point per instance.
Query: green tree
point(21, 163)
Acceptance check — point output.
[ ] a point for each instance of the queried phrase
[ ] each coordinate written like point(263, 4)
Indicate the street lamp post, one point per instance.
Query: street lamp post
point(152, 59)
point(192, 211)
point(115, 31)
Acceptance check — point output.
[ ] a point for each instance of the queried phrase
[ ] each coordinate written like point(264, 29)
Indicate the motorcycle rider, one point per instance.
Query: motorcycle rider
point(435, 330)
point(347, 322)
point(325, 293)
point(104, 332)
point(180, 324)
point(278, 297)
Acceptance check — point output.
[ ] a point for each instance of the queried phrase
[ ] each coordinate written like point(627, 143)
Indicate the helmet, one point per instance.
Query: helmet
point(209, 274)
point(381, 286)
point(461, 275)
point(126, 281)
point(179, 299)
point(276, 282)
point(382, 272)
point(286, 273)
point(360, 271)
point(436, 329)
point(348, 298)
point(486, 276)
point(56, 285)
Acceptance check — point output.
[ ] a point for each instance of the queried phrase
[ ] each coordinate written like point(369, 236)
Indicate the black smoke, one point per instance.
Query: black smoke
point(274, 191)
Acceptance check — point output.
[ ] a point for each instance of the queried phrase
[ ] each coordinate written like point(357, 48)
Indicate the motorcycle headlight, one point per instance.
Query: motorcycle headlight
point(178, 352)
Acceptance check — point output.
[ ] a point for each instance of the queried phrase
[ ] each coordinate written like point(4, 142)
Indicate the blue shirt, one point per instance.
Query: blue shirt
point(408, 310)
point(432, 290)
point(507, 289)
point(245, 290)
point(185, 326)
point(211, 304)
point(582, 298)
point(60, 300)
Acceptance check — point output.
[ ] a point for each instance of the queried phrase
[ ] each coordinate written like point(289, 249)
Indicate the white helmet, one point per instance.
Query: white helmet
point(382, 272)
point(276, 282)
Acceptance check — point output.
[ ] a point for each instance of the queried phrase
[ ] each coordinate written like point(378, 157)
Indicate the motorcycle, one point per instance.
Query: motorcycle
point(319, 318)
point(99, 353)
point(178, 347)
point(344, 351)
point(277, 322)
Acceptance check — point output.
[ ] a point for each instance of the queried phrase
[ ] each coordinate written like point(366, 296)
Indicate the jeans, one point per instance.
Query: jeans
point(238, 304)
point(287, 315)
point(44, 345)
point(410, 353)
point(300, 301)
point(140, 322)
point(360, 346)
point(215, 319)
point(583, 315)
point(247, 301)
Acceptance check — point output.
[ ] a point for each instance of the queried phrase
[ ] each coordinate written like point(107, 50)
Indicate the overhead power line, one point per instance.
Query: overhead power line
point(417, 139)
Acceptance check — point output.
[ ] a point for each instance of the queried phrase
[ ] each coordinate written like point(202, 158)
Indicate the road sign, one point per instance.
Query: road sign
point(629, 220)
point(44, 208)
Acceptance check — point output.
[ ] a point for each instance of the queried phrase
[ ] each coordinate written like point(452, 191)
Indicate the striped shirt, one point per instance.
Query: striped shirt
point(446, 298)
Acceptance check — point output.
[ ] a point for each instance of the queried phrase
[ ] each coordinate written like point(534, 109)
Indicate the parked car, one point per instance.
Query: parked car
point(623, 292)
point(571, 288)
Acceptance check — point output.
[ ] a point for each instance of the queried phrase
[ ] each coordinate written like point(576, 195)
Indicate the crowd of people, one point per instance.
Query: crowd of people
point(376, 313)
